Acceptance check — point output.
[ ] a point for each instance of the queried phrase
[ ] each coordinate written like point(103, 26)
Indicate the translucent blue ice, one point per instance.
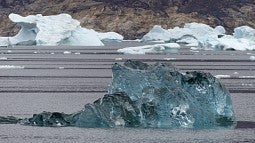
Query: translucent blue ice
point(151, 96)
point(167, 98)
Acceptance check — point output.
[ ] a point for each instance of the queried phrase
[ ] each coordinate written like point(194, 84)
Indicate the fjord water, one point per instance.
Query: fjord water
point(64, 79)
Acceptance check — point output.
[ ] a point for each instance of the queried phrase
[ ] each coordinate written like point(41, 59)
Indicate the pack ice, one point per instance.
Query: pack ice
point(54, 30)
point(150, 96)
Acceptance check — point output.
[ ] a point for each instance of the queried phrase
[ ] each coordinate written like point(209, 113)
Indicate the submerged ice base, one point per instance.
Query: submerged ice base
point(150, 96)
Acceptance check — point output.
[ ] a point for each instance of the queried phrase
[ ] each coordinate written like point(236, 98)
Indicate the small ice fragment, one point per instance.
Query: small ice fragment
point(67, 52)
point(236, 73)
point(222, 76)
point(3, 58)
point(61, 67)
point(252, 58)
point(169, 59)
point(77, 53)
point(11, 67)
point(118, 59)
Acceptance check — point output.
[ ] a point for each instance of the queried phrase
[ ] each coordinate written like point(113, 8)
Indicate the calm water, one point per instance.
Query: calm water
point(63, 79)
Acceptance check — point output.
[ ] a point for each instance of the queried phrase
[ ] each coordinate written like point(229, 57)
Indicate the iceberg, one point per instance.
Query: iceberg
point(245, 32)
point(55, 30)
point(156, 48)
point(149, 96)
point(191, 33)
point(110, 36)
point(205, 37)
point(157, 33)
point(168, 98)
point(242, 39)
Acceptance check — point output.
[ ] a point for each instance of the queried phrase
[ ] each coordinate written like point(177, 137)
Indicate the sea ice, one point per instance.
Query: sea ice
point(156, 48)
point(150, 96)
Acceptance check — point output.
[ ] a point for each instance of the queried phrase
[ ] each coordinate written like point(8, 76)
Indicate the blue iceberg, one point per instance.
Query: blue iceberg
point(150, 96)
point(167, 98)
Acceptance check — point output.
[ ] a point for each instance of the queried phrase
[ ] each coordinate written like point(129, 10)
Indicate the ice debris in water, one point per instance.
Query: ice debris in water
point(156, 96)
point(156, 48)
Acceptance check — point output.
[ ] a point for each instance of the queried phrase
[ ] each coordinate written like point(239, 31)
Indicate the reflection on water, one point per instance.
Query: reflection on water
point(24, 134)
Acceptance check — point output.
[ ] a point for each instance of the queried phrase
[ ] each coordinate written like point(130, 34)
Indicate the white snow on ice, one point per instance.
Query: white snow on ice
point(156, 48)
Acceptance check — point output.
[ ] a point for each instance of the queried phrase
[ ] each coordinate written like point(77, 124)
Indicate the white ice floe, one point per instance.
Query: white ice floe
point(110, 36)
point(11, 67)
point(156, 48)
point(243, 38)
point(3, 58)
point(67, 52)
point(222, 76)
point(205, 37)
point(54, 30)
point(252, 58)
point(190, 34)
point(157, 33)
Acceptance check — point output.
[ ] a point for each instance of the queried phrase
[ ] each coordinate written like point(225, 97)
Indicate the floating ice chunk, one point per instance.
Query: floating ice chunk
point(82, 37)
point(222, 76)
point(244, 32)
point(156, 96)
point(55, 30)
point(252, 58)
point(242, 39)
point(220, 30)
point(110, 36)
point(156, 48)
point(3, 58)
point(11, 67)
point(67, 52)
point(227, 42)
point(207, 102)
point(190, 34)
point(157, 33)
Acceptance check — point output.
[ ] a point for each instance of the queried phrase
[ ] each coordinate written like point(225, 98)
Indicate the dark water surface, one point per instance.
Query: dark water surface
point(64, 79)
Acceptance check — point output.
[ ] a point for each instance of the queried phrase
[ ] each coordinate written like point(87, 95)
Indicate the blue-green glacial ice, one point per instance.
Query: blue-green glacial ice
point(150, 96)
